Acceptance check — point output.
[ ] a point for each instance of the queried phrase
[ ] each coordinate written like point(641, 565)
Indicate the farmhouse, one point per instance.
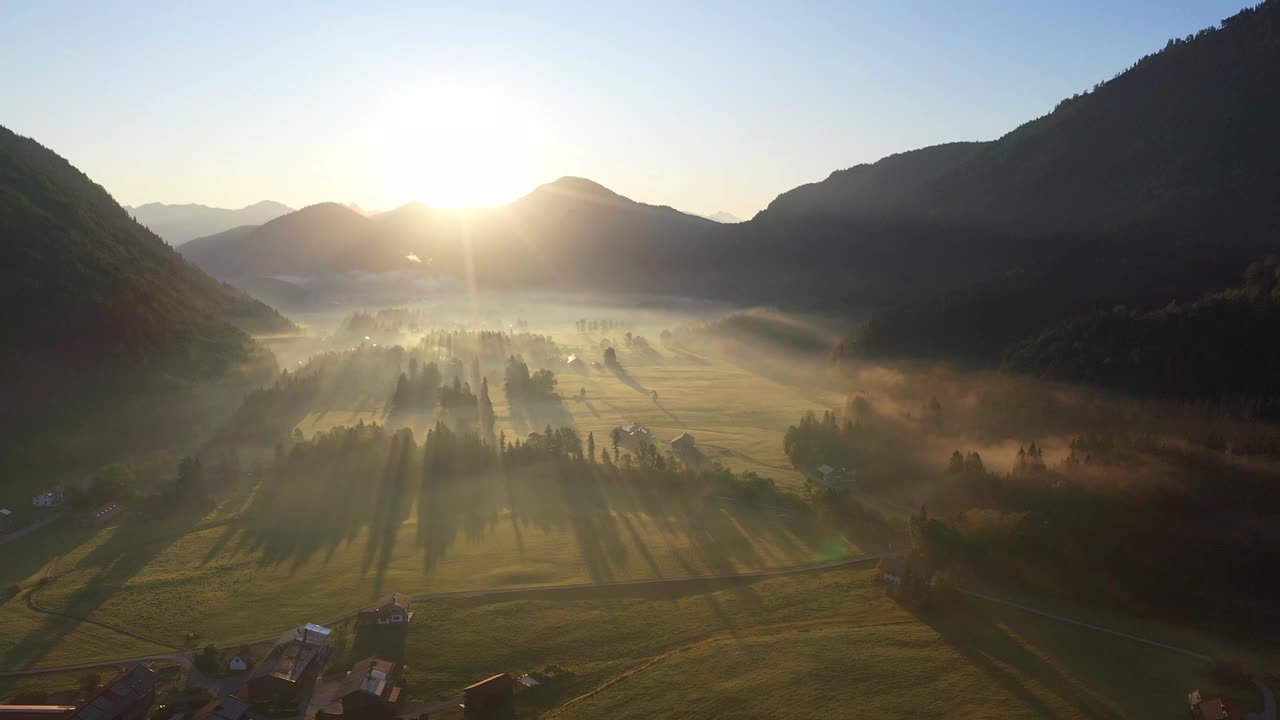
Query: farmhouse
point(633, 436)
point(683, 443)
point(575, 364)
point(128, 698)
point(368, 690)
point(288, 673)
point(241, 661)
point(390, 610)
point(489, 698)
point(48, 499)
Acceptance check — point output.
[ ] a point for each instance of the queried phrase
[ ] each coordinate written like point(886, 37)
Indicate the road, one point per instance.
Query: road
point(185, 657)
point(31, 528)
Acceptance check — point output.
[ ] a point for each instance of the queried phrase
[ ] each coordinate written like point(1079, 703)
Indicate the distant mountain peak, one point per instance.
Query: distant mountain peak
point(721, 216)
point(576, 186)
point(178, 224)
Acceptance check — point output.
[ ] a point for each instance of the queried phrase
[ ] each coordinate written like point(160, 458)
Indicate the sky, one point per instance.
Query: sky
point(704, 106)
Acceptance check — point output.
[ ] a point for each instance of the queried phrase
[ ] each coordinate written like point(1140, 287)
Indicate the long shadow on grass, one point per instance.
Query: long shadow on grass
point(140, 537)
point(990, 648)
point(391, 510)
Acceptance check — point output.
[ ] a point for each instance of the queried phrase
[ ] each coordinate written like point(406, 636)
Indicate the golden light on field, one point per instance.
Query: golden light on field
point(452, 146)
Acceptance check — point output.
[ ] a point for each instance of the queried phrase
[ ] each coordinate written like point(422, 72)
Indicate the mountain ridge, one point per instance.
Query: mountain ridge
point(180, 223)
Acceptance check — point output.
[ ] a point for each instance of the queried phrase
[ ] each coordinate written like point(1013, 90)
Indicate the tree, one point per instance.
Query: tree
point(487, 418)
point(610, 357)
point(111, 482)
point(190, 481)
point(591, 446)
point(207, 660)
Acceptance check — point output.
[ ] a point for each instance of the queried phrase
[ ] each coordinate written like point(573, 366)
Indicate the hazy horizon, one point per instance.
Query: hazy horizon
point(706, 110)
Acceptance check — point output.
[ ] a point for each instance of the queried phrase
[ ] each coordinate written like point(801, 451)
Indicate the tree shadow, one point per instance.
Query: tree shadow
point(991, 649)
point(140, 537)
point(625, 378)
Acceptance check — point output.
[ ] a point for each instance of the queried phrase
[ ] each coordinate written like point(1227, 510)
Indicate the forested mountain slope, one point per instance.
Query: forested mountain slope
point(103, 317)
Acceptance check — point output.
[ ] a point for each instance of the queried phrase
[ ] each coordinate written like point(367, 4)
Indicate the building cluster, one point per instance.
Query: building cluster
point(289, 680)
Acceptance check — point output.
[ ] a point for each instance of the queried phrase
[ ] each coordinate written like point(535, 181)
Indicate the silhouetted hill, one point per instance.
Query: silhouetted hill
point(572, 230)
point(1175, 155)
point(177, 224)
point(318, 239)
point(105, 323)
point(1172, 166)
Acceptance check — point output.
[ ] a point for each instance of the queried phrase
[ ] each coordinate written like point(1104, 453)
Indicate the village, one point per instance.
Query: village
point(297, 677)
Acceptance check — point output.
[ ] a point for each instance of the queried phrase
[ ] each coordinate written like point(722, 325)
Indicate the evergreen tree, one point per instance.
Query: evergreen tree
point(487, 419)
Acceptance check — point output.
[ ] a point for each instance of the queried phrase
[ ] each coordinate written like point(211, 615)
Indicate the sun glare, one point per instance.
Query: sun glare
point(456, 147)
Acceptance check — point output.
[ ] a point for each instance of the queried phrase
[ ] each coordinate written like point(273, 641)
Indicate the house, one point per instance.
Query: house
point(828, 476)
point(683, 444)
point(5, 516)
point(368, 690)
point(35, 712)
point(48, 498)
point(102, 515)
point(288, 673)
point(390, 610)
point(128, 698)
point(241, 661)
point(489, 698)
point(576, 364)
point(633, 436)
point(1202, 709)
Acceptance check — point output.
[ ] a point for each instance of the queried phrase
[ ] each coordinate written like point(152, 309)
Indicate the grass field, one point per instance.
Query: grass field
point(814, 645)
point(737, 416)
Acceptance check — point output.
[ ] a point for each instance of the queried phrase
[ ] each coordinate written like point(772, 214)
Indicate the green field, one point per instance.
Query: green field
point(738, 417)
point(801, 646)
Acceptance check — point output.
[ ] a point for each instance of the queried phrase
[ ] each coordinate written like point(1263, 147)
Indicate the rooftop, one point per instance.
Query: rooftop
point(127, 690)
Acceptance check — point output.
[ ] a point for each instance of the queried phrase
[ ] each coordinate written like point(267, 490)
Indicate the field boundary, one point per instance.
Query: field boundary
point(1089, 626)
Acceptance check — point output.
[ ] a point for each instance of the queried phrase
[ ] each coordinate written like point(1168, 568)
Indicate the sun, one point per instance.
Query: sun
point(455, 147)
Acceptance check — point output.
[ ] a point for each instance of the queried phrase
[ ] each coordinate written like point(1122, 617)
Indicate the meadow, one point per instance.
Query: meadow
point(823, 644)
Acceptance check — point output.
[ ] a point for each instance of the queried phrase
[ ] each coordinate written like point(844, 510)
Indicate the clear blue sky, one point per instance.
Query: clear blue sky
point(716, 107)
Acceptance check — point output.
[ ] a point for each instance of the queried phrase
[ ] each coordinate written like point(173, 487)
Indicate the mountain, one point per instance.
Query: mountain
point(721, 216)
point(112, 336)
point(1058, 249)
point(1174, 155)
point(571, 230)
point(179, 223)
point(1171, 167)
